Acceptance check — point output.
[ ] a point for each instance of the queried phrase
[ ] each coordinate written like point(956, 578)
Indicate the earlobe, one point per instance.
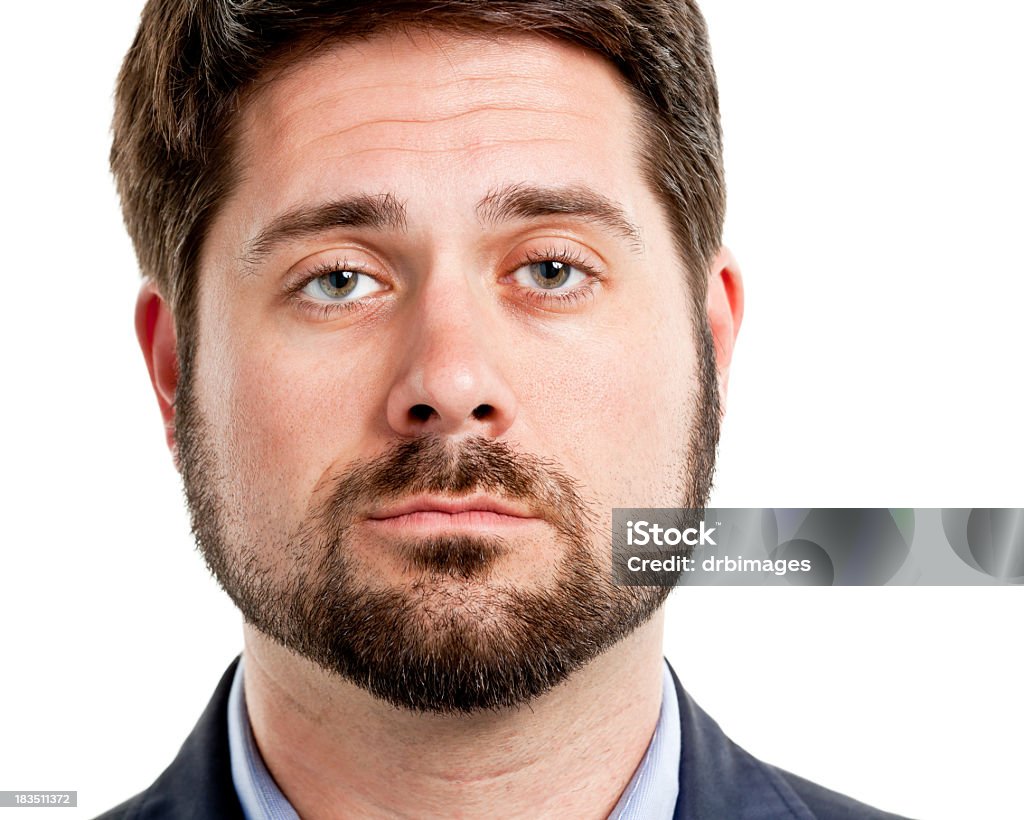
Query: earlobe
point(154, 328)
point(725, 313)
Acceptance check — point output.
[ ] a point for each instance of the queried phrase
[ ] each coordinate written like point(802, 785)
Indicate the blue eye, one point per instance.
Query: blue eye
point(342, 285)
point(549, 274)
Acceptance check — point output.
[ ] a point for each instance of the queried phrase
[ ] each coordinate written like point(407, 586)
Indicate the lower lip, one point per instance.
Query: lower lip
point(434, 520)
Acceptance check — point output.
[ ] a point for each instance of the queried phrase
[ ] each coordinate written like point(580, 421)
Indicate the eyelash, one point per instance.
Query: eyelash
point(325, 310)
point(577, 295)
point(566, 256)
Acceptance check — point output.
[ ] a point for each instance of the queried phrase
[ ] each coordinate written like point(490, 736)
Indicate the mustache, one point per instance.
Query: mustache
point(433, 464)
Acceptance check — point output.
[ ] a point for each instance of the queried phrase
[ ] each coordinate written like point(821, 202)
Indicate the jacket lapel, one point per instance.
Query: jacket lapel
point(718, 779)
point(198, 784)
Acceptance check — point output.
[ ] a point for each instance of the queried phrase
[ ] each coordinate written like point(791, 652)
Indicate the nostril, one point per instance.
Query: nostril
point(483, 411)
point(421, 412)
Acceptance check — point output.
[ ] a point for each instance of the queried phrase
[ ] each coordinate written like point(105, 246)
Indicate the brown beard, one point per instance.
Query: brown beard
point(449, 641)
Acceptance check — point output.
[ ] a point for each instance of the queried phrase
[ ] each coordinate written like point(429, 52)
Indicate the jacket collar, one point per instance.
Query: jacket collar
point(197, 785)
point(716, 777)
point(719, 779)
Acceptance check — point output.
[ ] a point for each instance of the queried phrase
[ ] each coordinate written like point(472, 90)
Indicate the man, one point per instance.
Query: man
point(430, 289)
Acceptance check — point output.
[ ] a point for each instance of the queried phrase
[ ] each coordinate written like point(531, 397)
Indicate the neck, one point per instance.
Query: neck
point(335, 751)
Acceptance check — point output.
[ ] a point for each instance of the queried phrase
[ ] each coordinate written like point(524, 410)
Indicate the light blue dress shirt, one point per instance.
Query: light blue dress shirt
point(650, 795)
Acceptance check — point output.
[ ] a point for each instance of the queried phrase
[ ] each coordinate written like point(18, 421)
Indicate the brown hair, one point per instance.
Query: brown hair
point(182, 83)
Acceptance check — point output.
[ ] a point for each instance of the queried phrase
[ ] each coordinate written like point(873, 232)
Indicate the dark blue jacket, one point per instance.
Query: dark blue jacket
point(717, 779)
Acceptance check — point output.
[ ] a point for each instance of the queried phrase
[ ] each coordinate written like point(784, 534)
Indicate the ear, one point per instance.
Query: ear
point(154, 327)
point(725, 313)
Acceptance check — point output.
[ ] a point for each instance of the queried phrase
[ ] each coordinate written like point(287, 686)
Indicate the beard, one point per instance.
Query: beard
point(452, 640)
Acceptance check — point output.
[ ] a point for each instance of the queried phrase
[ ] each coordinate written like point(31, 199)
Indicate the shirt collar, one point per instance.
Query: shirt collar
point(259, 795)
point(650, 795)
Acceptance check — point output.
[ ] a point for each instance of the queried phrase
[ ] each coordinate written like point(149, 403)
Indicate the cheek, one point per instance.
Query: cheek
point(286, 415)
point(623, 410)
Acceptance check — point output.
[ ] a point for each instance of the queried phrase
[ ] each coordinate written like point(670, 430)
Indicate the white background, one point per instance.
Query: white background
point(875, 178)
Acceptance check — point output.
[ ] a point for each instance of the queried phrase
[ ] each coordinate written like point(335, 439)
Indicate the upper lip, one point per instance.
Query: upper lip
point(450, 505)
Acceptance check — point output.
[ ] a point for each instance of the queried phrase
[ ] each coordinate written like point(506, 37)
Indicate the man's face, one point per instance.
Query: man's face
point(442, 332)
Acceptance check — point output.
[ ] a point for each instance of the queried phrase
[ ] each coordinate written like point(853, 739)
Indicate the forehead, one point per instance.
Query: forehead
point(438, 119)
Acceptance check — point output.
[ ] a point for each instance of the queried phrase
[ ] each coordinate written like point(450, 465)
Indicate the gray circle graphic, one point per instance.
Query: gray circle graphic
point(996, 540)
point(822, 574)
point(846, 546)
point(989, 540)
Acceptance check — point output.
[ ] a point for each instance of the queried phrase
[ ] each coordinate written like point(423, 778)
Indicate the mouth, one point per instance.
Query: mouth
point(432, 514)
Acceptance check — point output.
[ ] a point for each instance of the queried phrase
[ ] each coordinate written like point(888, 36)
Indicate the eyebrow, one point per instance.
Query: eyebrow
point(374, 212)
point(386, 212)
point(522, 201)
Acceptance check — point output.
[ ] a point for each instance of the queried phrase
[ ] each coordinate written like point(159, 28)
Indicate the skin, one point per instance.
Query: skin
point(602, 383)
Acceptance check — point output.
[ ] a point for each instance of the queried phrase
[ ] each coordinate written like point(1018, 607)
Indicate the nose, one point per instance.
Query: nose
point(450, 382)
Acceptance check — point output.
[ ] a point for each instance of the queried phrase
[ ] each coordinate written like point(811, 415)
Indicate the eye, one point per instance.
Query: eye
point(549, 274)
point(341, 285)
